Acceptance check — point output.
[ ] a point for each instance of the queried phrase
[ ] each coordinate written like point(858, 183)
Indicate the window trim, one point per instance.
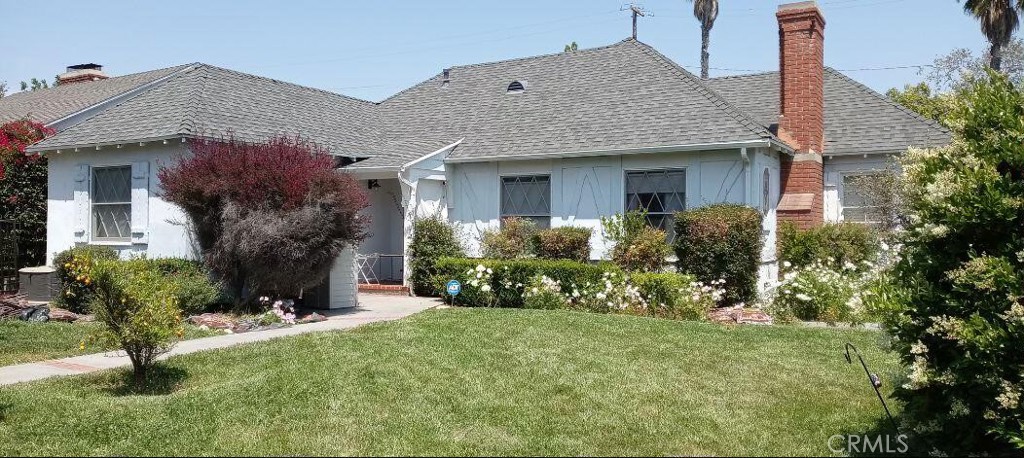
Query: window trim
point(501, 187)
point(842, 194)
point(110, 241)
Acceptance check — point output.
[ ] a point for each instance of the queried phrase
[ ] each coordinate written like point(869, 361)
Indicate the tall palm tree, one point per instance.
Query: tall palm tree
point(706, 11)
point(998, 22)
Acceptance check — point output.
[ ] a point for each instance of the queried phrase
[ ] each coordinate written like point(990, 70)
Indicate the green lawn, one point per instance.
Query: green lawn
point(469, 382)
point(22, 342)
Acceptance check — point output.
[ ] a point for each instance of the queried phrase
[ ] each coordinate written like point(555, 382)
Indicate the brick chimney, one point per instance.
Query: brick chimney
point(81, 73)
point(802, 111)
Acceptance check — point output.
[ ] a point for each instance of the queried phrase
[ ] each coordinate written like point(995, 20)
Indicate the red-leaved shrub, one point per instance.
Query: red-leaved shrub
point(23, 188)
point(269, 217)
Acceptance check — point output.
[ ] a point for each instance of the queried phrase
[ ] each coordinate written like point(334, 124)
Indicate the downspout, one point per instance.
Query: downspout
point(746, 170)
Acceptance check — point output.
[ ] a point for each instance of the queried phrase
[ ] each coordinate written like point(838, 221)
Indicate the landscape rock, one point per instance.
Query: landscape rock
point(59, 314)
point(312, 318)
point(213, 321)
point(86, 318)
point(739, 315)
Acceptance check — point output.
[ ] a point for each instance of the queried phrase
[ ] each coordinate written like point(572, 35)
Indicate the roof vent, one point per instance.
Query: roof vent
point(516, 87)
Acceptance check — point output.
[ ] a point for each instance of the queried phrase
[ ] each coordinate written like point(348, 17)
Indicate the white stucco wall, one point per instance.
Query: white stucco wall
point(835, 167)
point(584, 189)
point(165, 235)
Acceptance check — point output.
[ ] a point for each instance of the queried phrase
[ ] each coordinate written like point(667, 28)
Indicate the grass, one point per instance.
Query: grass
point(23, 342)
point(473, 382)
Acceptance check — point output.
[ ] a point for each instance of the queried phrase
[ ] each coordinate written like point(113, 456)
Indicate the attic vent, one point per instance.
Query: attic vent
point(515, 87)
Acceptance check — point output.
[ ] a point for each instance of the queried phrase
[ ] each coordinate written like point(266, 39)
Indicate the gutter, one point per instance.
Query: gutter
point(98, 146)
point(625, 151)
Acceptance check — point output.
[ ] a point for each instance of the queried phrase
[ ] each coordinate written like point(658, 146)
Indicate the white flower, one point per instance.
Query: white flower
point(918, 348)
point(480, 268)
point(787, 264)
point(485, 288)
point(803, 297)
point(1009, 399)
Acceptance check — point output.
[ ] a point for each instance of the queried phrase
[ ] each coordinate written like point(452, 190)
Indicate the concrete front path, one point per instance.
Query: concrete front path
point(371, 309)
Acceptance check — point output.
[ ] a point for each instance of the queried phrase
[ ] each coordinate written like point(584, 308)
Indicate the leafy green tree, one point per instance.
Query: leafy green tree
point(571, 47)
point(921, 99)
point(706, 11)
point(35, 84)
point(3, 89)
point(962, 272)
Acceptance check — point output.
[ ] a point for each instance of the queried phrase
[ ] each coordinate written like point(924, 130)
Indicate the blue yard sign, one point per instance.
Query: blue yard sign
point(454, 288)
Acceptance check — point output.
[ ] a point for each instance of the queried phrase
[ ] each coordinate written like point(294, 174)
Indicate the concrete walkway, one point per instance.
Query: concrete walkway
point(371, 309)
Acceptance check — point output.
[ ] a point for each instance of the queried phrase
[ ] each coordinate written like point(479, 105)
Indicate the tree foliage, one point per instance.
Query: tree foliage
point(269, 217)
point(23, 188)
point(963, 275)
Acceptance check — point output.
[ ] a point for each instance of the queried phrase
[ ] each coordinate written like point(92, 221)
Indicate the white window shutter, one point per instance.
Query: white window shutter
point(81, 196)
point(140, 202)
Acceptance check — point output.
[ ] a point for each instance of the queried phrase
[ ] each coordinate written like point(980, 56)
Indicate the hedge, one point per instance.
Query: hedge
point(721, 241)
point(842, 242)
point(510, 277)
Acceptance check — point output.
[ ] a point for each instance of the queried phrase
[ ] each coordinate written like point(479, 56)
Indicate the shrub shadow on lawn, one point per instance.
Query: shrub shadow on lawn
point(161, 380)
point(880, 439)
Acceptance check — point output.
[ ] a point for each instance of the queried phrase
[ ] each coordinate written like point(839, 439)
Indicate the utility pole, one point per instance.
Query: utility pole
point(636, 10)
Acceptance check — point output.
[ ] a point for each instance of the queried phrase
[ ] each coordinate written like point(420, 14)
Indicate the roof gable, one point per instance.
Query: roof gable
point(49, 105)
point(206, 100)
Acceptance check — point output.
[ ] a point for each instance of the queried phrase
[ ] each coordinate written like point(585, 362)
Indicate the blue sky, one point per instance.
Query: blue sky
point(374, 49)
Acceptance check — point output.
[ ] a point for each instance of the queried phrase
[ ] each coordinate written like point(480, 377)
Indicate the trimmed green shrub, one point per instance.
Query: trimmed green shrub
point(513, 240)
point(636, 247)
point(193, 289)
point(837, 244)
point(432, 239)
point(721, 242)
point(74, 274)
point(645, 251)
point(567, 242)
point(138, 307)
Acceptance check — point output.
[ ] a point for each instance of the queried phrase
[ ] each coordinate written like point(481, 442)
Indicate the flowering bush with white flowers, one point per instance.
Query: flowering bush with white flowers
point(961, 334)
point(478, 287)
point(819, 292)
point(664, 295)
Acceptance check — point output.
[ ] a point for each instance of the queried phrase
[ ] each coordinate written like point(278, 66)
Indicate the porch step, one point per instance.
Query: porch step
point(388, 290)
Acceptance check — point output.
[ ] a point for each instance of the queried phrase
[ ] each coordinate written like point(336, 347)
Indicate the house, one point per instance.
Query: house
point(562, 139)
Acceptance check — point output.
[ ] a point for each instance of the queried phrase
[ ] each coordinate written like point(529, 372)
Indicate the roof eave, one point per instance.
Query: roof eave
point(42, 149)
point(763, 143)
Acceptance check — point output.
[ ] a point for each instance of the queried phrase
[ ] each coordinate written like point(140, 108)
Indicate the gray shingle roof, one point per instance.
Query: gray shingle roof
point(210, 101)
point(48, 105)
point(622, 96)
point(858, 120)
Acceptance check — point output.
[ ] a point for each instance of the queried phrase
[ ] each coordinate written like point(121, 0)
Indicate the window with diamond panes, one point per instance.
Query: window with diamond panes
point(660, 192)
point(112, 203)
point(527, 197)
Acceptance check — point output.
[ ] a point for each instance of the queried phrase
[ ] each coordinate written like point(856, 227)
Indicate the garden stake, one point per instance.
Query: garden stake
point(876, 382)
